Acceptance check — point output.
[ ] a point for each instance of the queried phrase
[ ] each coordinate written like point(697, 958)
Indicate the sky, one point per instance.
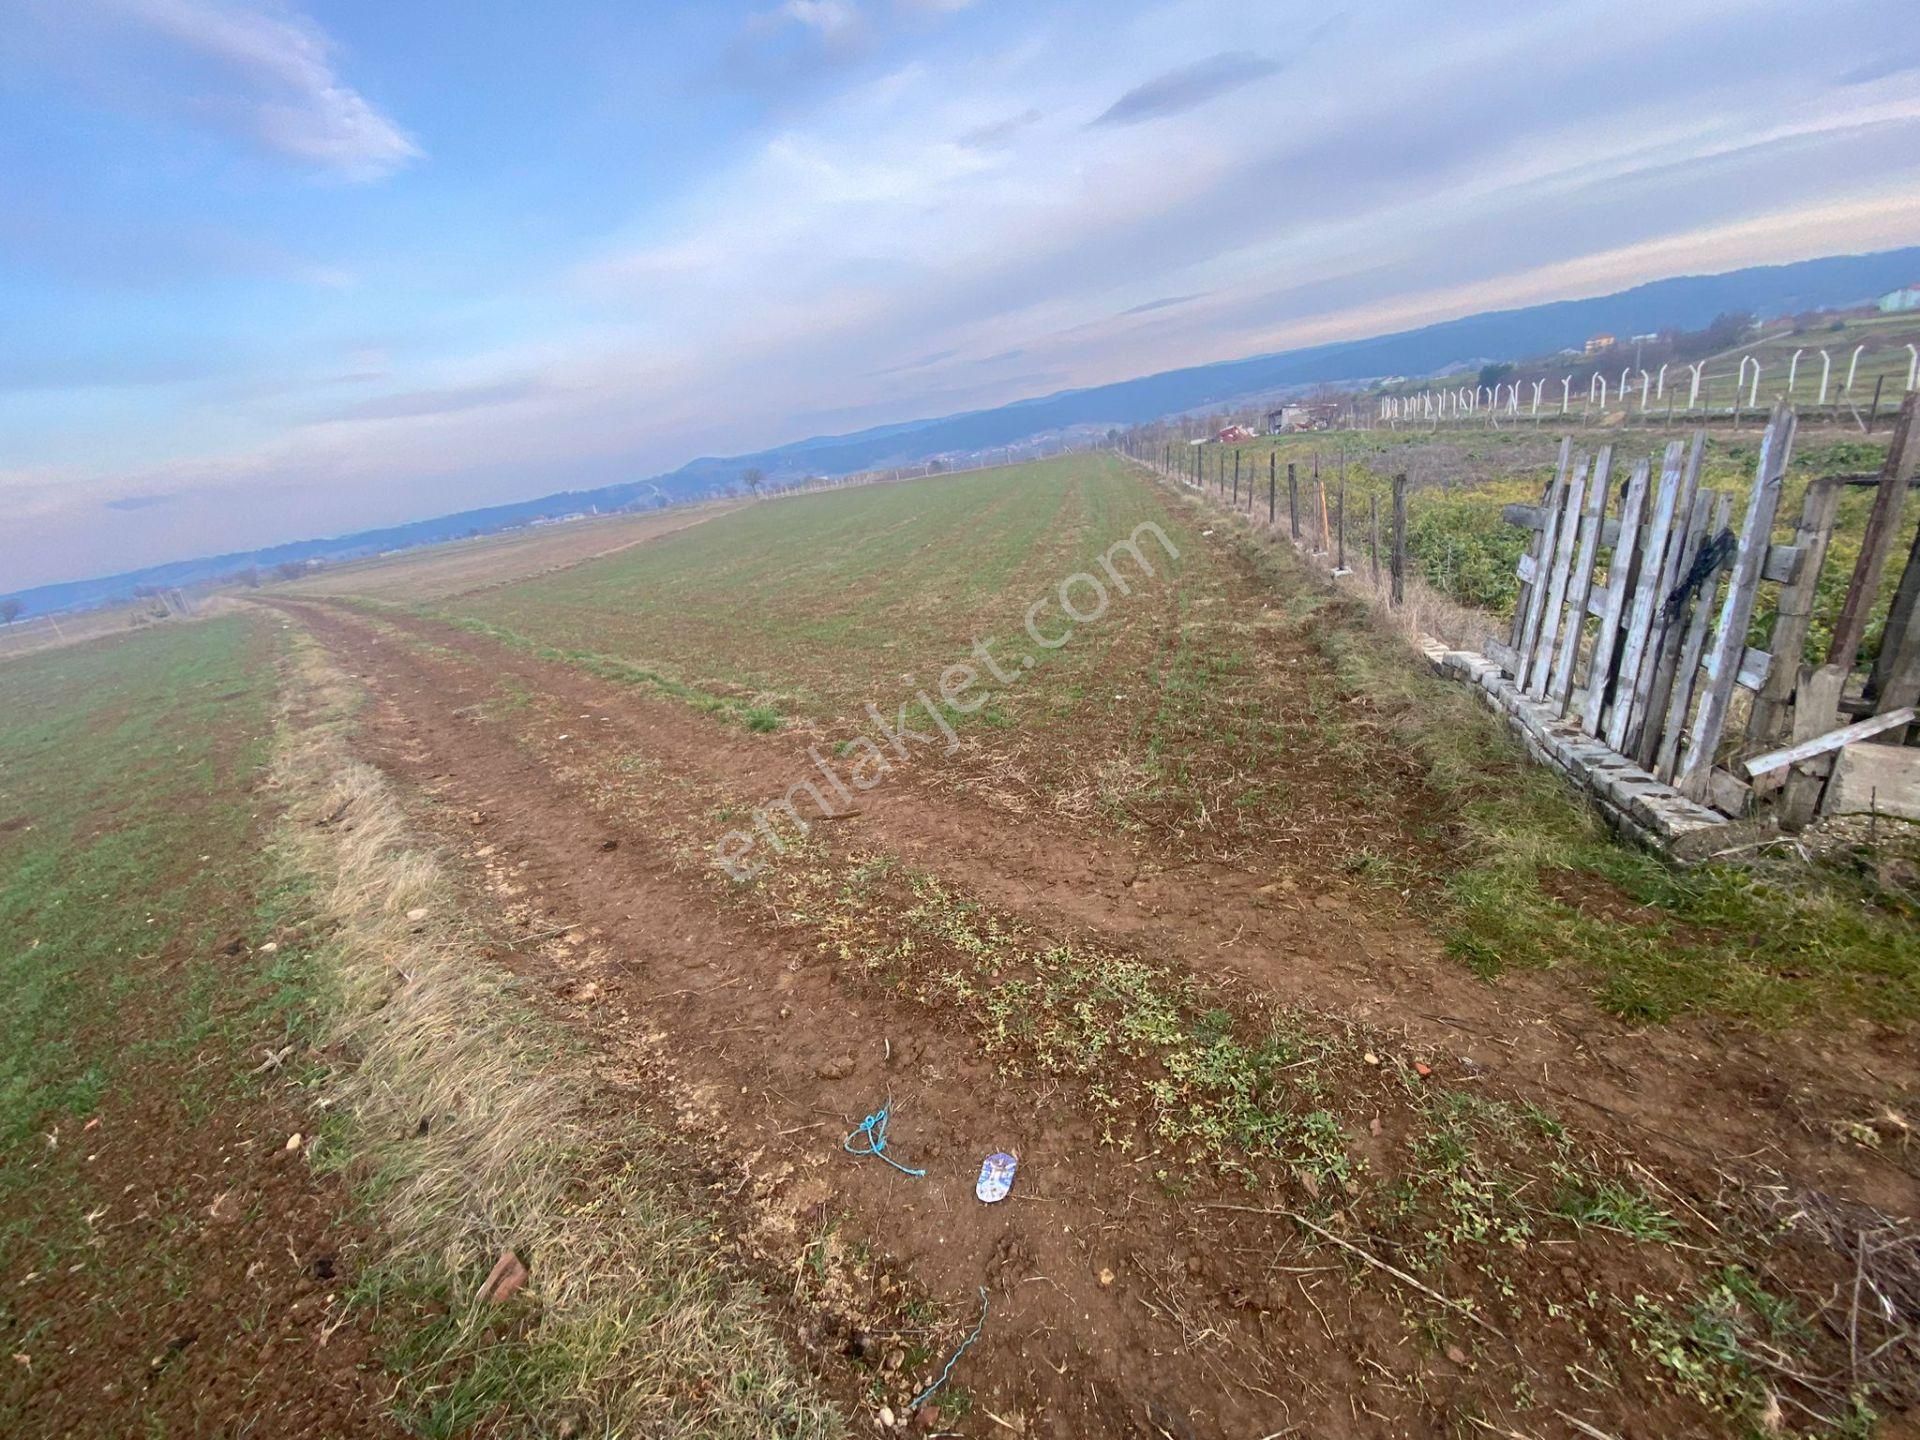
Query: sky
point(275, 269)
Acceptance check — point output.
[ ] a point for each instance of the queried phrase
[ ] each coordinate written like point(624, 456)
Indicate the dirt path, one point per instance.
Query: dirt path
point(1112, 1310)
point(1701, 1095)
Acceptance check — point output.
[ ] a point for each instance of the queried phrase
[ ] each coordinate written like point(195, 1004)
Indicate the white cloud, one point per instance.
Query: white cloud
point(285, 92)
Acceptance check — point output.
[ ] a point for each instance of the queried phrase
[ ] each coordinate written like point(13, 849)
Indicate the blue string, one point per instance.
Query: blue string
point(965, 1345)
point(874, 1129)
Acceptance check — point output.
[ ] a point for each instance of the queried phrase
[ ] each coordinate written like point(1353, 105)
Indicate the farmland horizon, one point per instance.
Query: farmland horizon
point(1664, 303)
point(284, 268)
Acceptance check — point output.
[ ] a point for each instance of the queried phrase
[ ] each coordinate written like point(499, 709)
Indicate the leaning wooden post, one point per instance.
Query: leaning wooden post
point(1794, 617)
point(1293, 502)
point(1873, 415)
point(1321, 487)
point(1900, 642)
point(1373, 539)
point(1882, 524)
point(1273, 482)
point(1399, 540)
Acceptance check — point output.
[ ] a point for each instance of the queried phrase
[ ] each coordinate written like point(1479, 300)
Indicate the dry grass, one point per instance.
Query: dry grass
point(463, 1120)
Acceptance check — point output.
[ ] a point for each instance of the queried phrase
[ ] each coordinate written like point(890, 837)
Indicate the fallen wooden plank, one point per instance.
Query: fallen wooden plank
point(1833, 740)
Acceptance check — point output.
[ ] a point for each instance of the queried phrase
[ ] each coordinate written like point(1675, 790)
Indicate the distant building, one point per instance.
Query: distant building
point(1600, 342)
point(1898, 302)
point(1300, 417)
point(1234, 434)
point(1648, 339)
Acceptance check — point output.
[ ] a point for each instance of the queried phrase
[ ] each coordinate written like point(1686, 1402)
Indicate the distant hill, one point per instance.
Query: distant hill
point(1685, 302)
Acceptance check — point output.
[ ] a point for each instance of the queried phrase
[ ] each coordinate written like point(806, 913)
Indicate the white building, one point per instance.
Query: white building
point(1896, 302)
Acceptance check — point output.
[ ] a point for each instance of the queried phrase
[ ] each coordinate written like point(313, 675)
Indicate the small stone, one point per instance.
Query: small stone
point(1106, 1277)
point(838, 1068)
point(1456, 1355)
point(1371, 1058)
point(417, 914)
point(884, 1420)
point(293, 1141)
point(268, 948)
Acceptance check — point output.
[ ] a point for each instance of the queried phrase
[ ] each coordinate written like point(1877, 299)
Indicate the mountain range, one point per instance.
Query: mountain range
point(1681, 303)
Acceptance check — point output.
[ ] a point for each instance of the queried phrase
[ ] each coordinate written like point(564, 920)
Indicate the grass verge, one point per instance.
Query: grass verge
point(463, 1120)
point(1538, 881)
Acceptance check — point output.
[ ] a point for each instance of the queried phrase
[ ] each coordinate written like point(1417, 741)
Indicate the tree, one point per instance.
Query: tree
point(753, 478)
point(290, 569)
point(1495, 374)
point(10, 609)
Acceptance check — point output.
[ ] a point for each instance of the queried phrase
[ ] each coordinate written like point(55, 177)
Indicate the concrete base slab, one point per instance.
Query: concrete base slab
point(1883, 778)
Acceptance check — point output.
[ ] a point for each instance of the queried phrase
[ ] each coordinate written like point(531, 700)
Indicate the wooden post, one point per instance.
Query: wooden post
point(1795, 614)
point(1531, 605)
point(1399, 540)
point(1236, 479)
point(1620, 581)
point(1560, 686)
point(1293, 502)
point(1883, 523)
point(1646, 598)
point(1321, 486)
point(1373, 539)
point(1538, 664)
point(1736, 610)
point(1273, 476)
point(1814, 713)
point(1660, 747)
point(1340, 528)
point(1896, 673)
point(1873, 415)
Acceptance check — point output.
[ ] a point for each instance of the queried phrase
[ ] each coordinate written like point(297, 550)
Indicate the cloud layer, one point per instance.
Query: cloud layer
point(713, 228)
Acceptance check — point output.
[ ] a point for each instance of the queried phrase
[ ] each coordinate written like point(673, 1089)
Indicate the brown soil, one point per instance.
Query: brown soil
point(1212, 1321)
point(193, 1279)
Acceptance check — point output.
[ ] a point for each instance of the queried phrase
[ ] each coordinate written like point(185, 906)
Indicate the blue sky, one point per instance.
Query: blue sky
point(273, 269)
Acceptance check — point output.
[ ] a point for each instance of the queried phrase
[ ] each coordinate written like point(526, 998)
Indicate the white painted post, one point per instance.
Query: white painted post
point(1660, 385)
point(1793, 369)
point(1623, 383)
point(1643, 392)
point(1693, 392)
point(1600, 381)
point(1853, 365)
point(1826, 373)
point(1538, 386)
point(1913, 365)
point(1566, 393)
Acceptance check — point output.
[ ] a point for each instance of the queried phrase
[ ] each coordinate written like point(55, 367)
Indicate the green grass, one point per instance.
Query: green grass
point(1773, 944)
point(124, 778)
point(815, 604)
